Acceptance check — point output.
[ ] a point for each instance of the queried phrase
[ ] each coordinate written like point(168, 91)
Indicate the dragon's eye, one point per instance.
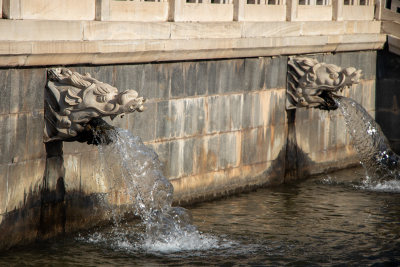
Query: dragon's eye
point(311, 77)
point(333, 76)
point(101, 98)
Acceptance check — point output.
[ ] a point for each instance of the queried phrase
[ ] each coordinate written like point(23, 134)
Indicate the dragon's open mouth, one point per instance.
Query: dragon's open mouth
point(329, 100)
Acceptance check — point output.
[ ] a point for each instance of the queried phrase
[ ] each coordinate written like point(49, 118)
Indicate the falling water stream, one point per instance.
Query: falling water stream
point(346, 218)
point(170, 229)
point(135, 167)
point(373, 149)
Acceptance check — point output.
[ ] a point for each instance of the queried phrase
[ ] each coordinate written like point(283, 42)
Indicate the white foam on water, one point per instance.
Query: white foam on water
point(327, 180)
point(130, 164)
point(95, 238)
point(112, 241)
point(188, 241)
point(179, 242)
point(392, 186)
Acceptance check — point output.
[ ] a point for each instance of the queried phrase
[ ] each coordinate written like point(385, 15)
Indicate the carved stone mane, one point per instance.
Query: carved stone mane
point(312, 84)
point(72, 100)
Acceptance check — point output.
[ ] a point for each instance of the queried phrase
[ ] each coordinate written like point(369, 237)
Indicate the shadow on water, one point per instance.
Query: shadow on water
point(322, 221)
point(49, 210)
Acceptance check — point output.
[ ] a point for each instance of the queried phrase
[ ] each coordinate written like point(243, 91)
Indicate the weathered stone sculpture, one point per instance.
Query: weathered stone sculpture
point(72, 100)
point(312, 84)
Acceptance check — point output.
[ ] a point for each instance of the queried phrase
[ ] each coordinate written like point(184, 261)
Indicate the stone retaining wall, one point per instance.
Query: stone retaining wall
point(219, 126)
point(44, 43)
point(388, 96)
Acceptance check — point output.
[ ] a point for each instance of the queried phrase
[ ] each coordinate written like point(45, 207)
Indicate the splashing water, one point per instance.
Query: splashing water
point(135, 167)
point(376, 156)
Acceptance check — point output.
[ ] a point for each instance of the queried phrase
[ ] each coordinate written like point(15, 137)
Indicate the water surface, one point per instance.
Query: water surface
point(327, 220)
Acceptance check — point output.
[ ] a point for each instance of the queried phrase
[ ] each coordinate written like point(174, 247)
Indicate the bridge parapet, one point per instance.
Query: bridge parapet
point(389, 13)
point(190, 10)
point(53, 32)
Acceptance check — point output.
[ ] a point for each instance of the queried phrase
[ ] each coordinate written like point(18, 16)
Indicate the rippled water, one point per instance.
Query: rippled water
point(350, 217)
point(332, 219)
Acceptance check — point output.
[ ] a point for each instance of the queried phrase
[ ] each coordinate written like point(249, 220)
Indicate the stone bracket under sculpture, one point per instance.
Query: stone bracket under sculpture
point(72, 100)
point(312, 84)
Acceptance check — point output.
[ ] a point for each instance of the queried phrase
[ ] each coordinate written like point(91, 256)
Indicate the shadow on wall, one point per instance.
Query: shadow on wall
point(297, 162)
point(48, 211)
point(388, 96)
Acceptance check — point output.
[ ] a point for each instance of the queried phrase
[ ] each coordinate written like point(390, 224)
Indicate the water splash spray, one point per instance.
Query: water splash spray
point(135, 167)
point(376, 156)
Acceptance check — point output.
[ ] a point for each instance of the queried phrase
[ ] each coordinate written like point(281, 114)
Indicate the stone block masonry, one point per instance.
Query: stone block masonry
point(55, 42)
point(388, 96)
point(218, 126)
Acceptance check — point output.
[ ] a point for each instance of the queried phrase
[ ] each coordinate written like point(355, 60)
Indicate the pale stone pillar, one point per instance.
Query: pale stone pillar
point(238, 10)
point(103, 9)
point(173, 7)
point(337, 10)
point(378, 9)
point(291, 13)
point(12, 9)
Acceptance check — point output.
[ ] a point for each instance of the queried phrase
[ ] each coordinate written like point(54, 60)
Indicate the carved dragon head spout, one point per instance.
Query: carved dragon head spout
point(314, 84)
point(72, 100)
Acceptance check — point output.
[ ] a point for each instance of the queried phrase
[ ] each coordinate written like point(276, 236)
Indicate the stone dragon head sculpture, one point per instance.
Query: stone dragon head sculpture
point(313, 84)
point(72, 100)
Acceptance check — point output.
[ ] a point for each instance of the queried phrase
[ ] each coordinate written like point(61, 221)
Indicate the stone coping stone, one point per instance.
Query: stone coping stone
point(47, 53)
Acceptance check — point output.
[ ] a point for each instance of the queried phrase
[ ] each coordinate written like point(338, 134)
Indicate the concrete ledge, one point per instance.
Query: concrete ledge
point(394, 44)
point(37, 53)
point(33, 43)
point(391, 27)
point(96, 30)
point(40, 30)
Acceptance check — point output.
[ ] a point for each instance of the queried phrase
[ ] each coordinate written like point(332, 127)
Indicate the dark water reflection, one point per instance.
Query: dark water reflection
point(327, 220)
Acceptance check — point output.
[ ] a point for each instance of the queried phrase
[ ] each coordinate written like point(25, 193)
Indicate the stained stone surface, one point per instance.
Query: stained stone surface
point(218, 126)
point(388, 96)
